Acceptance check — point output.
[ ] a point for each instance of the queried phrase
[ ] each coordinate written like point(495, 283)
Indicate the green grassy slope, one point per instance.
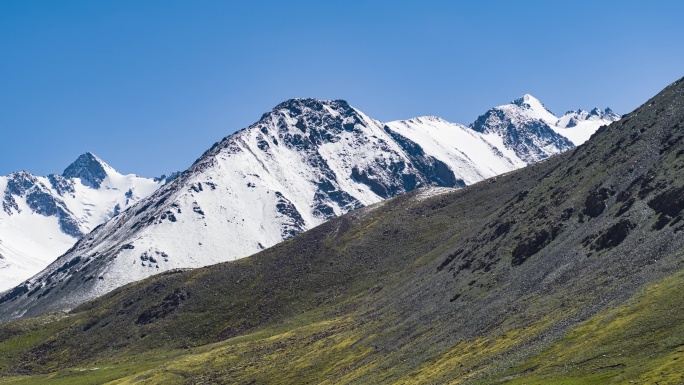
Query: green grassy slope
point(530, 276)
point(641, 341)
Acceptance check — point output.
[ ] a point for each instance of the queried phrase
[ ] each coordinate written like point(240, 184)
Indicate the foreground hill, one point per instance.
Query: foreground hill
point(302, 163)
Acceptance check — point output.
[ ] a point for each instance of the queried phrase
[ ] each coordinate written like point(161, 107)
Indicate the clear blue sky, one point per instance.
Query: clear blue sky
point(149, 85)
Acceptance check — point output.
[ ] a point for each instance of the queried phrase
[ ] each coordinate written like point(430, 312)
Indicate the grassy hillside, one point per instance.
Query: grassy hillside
point(568, 270)
point(641, 341)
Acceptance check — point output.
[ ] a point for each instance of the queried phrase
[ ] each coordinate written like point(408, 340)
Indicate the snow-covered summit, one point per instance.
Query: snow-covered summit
point(579, 125)
point(90, 169)
point(42, 217)
point(535, 132)
point(574, 118)
point(532, 108)
point(525, 127)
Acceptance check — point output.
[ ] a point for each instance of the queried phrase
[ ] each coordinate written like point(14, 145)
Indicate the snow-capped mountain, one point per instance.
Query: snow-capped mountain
point(471, 155)
point(578, 126)
point(535, 133)
point(302, 163)
point(42, 217)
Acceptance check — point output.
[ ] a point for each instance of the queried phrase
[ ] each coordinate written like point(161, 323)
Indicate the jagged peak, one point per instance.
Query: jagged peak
point(596, 111)
point(167, 178)
point(20, 181)
point(528, 101)
point(525, 99)
point(312, 103)
point(89, 168)
point(20, 174)
point(593, 111)
point(578, 111)
point(90, 157)
point(302, 108)
point(299, 106)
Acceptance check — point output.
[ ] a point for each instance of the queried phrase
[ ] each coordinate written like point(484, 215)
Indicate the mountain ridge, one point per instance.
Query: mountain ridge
point(302, 163)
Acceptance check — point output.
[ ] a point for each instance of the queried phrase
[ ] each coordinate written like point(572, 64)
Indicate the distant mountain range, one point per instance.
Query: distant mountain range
point(528, 127)
point(302, 163)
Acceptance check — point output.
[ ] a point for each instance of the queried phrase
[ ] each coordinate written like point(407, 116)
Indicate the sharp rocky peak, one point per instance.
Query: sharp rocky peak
point(596, 111)
point(20, 181)
point(306, 122)
point(308, 102)
point(306, 106)
point(528, 101)
point(89, 168)
point(605, 113)
point(20, 175)
point(602, 113)
point(527, 98)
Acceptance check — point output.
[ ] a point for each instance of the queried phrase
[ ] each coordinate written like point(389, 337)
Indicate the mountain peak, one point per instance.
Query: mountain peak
point(298, 104)
point(308, 107)
point(525, 99)
point(89, 168)
point(596, 111)
point(529, 102)
point(301, 102)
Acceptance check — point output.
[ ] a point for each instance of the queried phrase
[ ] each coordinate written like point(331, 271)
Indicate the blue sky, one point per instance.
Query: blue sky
point(150, 85)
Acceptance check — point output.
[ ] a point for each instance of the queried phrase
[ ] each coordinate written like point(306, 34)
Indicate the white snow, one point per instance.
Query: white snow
point(240, 197)
point(528, 108)
point(471, 155)
point(30, 241)
point(584, 124)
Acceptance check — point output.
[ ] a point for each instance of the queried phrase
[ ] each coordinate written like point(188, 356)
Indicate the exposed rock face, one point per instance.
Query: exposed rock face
point(532, 139)
point(88, 168)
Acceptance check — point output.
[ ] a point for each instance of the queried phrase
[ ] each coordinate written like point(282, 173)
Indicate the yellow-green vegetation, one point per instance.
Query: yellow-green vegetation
point(469, 359)
point(314, 353)
point(96, 373)
point(335, 351)
point(640, 342)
